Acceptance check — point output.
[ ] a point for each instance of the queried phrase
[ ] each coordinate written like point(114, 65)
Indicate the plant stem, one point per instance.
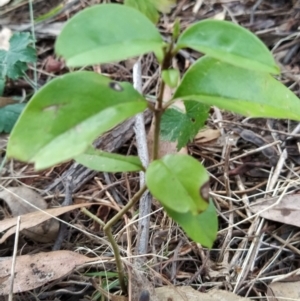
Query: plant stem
point(157, 118)
point(108, 232)
point(131, 203)
point(157, 121)
point(118, 259)
point(159, 109)
point(93, 217)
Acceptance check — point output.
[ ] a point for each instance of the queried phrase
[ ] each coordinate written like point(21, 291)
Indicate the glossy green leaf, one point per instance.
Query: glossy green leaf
point(230, 43)
point(105, 33)
point(239, 90)
point(171, 77)
point(65, 116)
point(179, 182)
point(103, 161)
point(201, 228)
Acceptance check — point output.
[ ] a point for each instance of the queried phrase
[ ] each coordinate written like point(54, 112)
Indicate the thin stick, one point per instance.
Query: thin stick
point(13, 263)
point(142, 147)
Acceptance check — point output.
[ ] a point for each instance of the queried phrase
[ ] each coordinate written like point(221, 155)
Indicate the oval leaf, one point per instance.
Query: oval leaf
point(230, 43)
point(246, 92)
point(103, 161)
point(201, 228)
point(65, 116)
point(179, 182)
point(91, 37)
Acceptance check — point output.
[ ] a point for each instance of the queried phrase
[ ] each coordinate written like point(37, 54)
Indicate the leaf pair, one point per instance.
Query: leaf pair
point(134, 34)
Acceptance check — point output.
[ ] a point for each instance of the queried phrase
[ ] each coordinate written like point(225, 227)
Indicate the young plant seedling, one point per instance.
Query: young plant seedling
point(64, 117)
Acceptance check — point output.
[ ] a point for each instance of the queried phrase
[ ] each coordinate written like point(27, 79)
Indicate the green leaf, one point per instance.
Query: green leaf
point(151, 8)
point(107, 33)
point(103, 161)
point(201, 228)
point(9, 115)
point(171, 77)
point(179, 182)
point(63, 118)
point(183, 127)
point(230, 43)
point(14, 61)
point(239, 90)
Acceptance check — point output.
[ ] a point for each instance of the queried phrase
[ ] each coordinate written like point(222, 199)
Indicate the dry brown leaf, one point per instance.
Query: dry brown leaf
point(34, 218)
point(53, 65)
point(187, 293)
point(45, 232)
point(284, 291)
point(207, 135)
point(270, 295)
point(287, 211)
point(4, 101)
point(14, 197)
point(32, 271)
